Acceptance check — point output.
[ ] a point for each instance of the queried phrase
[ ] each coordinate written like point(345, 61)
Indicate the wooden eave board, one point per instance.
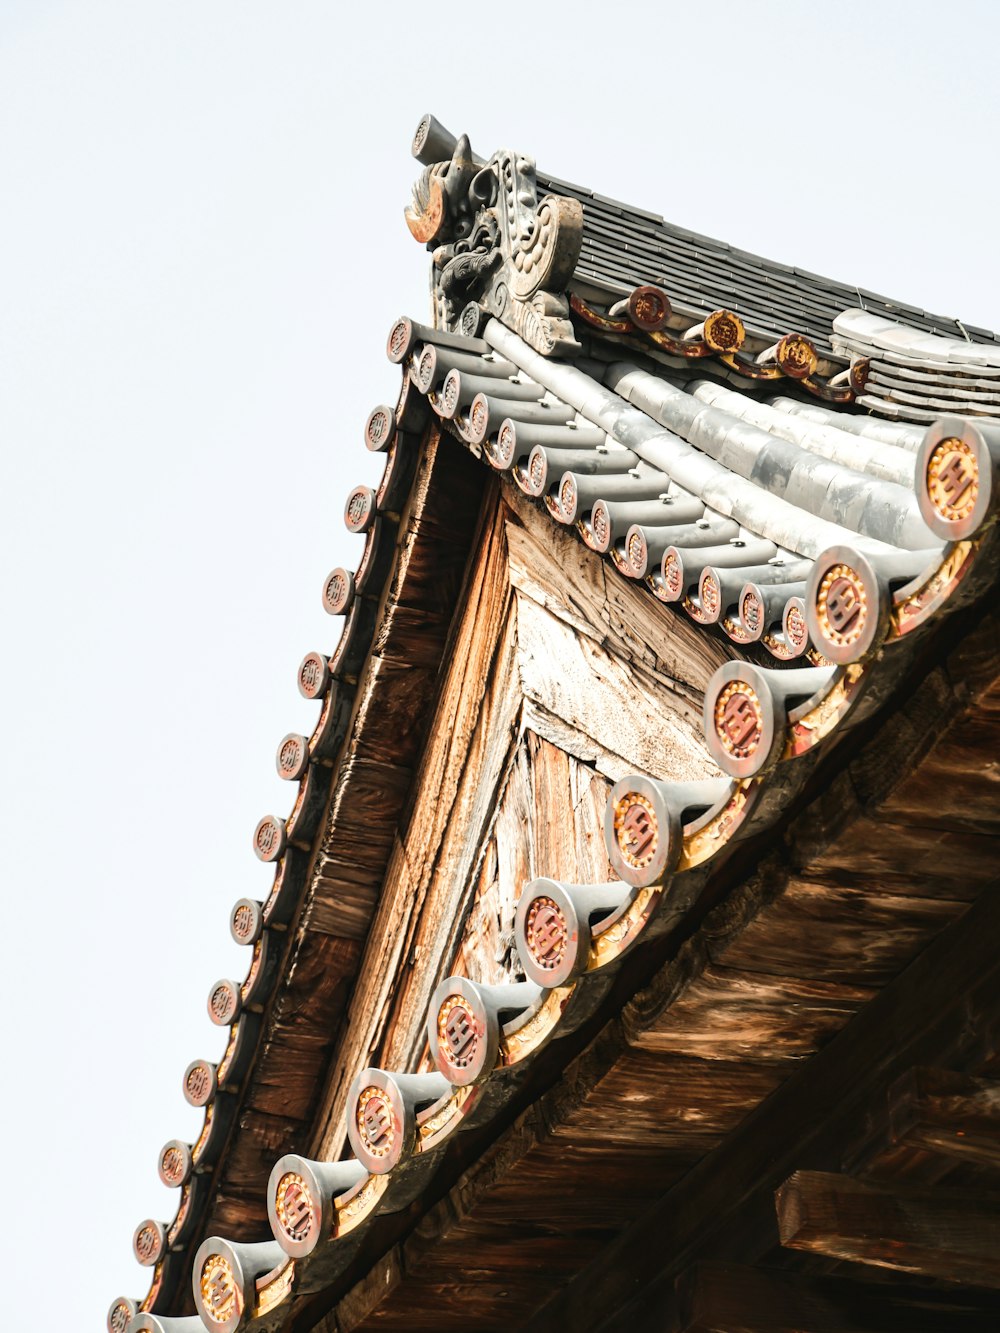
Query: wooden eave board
point(394, 696)
point(685, 1046)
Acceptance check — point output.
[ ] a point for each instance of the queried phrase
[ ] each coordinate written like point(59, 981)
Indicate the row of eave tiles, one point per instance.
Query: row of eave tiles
point(693, 490)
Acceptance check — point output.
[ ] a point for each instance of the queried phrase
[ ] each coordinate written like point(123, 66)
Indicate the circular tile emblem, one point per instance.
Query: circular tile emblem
point(636, 829)
point(449, 395)
point(470, 319)
point(375, 1121)
point(739, 719)
point(479, 417)
point(795, 627)
point(293, 757)
point(600, 522)
point(673, 575)
point(314, 675)
point(246, 921)
point(220, 1294)
point(359, 509)
point(859, 374)
point(953, 479)
point(420, 135)
point(648, 308)
point(724, 331)
point(752, 611)
point(635, 549)
point(120, 1314)
point(175, 1164)
point(796, 356)
point(399, 340)
point(567, 495)
point(841, 605)
point(149, 1243)
point(458, 1034)
point(546, 933)
point(503, 452)
point(538, 468)
point(199, 1083)
point(294, 1207)
point(380, 428)
point(269, 838)
point(426, 367)
point(224, 1003)
point(710, 595)
point(338, 590)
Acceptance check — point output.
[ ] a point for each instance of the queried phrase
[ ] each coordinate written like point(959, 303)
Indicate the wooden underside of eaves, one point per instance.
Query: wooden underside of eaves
point(395, 694)
point(857, 941)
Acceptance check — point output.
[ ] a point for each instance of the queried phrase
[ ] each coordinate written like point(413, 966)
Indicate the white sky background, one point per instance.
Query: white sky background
point(201, 251)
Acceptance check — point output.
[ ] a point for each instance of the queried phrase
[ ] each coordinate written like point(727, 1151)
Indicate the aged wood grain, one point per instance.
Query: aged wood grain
point(944, 1112)
point(731, 1298)
point(941, 1234)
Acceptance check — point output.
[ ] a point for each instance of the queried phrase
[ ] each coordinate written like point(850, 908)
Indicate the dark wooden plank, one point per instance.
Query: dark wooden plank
point(944, 1112)
point(850, 936)
point(942, 1005)
point(728, 1298)
point(946, 1234)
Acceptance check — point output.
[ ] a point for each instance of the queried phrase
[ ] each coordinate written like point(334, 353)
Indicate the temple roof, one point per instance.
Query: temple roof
point(625, 247)
point(741, 482)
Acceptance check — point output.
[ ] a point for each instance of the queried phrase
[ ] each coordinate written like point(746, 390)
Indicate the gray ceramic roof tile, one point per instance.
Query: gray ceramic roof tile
point(623, 245)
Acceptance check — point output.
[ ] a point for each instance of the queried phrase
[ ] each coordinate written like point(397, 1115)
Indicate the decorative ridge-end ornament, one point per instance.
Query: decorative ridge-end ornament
point(956, 473)
point(796, 356)
point(497, 246)
point(643, 823)
point(464, 1025)
point(382, 1115)
point(223, 1280)
point(649, 308)
point(724, 331)
point(552, 926)
point(300, 1200)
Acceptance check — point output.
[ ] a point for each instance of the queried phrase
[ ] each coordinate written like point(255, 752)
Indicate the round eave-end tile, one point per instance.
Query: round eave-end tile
point(954, 478)
point(844, 611)
point(740, 723)
point(269, 839)
point(149, 1242)
point(174, 1164)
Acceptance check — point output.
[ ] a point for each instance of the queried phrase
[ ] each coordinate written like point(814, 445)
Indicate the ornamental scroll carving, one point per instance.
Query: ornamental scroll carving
point(496, 247)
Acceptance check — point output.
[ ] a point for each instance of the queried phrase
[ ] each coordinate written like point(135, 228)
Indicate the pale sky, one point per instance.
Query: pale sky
point(201, 251)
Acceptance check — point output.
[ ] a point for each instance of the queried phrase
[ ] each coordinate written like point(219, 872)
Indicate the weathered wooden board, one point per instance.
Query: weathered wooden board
point(943, 1112)
point(941, 1233)
point(730, 1298)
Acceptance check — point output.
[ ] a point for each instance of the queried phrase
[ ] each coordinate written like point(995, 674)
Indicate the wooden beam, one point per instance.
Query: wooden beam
point(948, 1234)
point(723, 1208)
point(949, 1113)
point(714, 1297)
